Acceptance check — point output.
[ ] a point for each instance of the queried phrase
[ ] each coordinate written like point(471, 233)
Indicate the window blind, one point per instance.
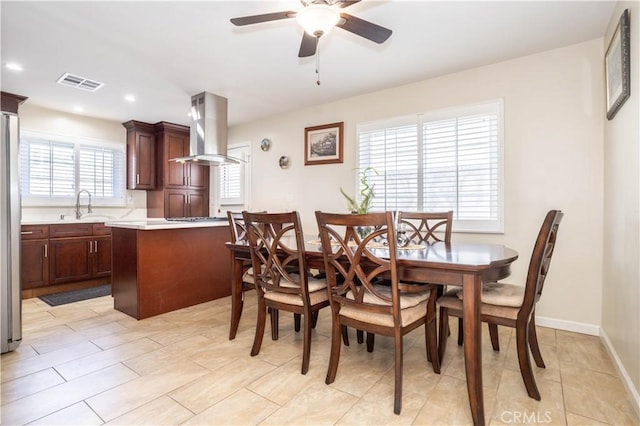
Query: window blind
point(439, 161)
point(52, 171)
point(232, 178)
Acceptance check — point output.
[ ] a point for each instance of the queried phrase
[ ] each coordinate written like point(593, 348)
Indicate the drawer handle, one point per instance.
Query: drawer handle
point(26, 232)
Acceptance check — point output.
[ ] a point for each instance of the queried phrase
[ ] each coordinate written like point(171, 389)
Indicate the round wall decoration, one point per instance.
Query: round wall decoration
point(265, 144)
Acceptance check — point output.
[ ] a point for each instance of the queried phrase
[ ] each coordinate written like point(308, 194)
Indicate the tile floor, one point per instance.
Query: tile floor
point(87, 364)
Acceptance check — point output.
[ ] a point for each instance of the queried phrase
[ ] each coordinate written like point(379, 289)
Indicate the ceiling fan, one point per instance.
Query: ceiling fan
point(317, 17)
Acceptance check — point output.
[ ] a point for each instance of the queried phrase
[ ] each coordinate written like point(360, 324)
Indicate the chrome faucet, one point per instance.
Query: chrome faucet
point(89, 209)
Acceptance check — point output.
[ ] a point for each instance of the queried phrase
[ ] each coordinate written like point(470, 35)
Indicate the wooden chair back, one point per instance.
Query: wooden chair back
point(277, 252)
point(353, 264)
point(236, 226)
point(427, 226)
point(540, 261)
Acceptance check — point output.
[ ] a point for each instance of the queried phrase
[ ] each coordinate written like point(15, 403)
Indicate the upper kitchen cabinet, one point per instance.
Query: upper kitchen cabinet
point(182, 188)
point(141, 155)
point(173, 142)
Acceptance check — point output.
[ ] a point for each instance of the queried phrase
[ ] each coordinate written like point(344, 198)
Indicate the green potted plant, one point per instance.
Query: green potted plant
point(366, 194)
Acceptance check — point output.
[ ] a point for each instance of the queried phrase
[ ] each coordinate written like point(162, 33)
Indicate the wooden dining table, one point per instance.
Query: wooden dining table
point(456, 264)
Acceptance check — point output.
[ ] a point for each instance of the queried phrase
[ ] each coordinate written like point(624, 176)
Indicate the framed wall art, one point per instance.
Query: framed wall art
point(323, 144)
point(616, 67)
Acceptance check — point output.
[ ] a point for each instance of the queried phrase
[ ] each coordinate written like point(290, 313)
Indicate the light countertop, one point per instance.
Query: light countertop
point(154, 224)
point(64, 221)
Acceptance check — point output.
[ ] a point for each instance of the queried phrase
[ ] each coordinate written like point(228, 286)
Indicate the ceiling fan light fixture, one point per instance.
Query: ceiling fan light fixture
point(317, 19)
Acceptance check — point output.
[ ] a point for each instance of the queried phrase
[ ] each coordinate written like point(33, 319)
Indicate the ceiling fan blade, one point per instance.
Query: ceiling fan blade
point(363, 28)
point(347, 3)
point(256, 19)
point(308, 45)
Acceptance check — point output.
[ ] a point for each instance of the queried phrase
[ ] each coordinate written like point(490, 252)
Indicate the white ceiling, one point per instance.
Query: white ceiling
point(164, 52)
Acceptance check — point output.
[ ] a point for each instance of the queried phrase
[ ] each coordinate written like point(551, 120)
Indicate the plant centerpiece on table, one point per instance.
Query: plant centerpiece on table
point(366, 198)
point(366, 194)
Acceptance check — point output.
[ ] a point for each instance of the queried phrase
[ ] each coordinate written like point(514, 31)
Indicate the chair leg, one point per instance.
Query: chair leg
point(533, 343)
point(306, 345)
point(460, 332)
point(431, 335)
point(371, 338)
point(274, 323)
point(314, 318)
point(360, 336)
point(335, 349)
point(260, 323)
point(296, 322)
point(443, 333)
point(495, 340)
point(345, 335)
point(397, 398)
point(526, 371)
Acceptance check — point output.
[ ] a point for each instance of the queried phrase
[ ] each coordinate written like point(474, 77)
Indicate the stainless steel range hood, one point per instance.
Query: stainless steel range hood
point(208, 141)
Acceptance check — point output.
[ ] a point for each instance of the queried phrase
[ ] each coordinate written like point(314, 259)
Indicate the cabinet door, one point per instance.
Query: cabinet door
point(198, 204)
point(197, 176)
point(102, 256)
point(176, 145)
point(145, 162)
point(175, 203)
point(34, 263)
point(70, 259)
point(141, 155)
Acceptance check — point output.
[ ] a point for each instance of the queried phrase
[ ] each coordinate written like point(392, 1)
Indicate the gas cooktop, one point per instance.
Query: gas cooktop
point(196, 219)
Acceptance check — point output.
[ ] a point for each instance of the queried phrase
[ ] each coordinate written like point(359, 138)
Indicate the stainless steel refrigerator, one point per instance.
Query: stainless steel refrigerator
point(10, 214)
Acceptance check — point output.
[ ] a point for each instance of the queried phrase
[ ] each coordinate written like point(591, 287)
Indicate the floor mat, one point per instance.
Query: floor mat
point(76, 295)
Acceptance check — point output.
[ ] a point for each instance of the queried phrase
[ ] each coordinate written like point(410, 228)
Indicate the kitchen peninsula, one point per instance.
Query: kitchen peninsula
point(160, 266)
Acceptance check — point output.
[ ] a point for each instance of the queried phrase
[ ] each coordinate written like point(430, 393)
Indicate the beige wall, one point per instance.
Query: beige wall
point(621, 275)
point(45, 120)
point(553, 105)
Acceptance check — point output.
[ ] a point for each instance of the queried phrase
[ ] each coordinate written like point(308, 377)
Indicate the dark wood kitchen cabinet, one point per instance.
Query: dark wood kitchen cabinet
point(34, 258)
point(58, 255)
point(172, 141)
point(141, 155)
point(80, 252)
point(183, 188)
point(184, 203)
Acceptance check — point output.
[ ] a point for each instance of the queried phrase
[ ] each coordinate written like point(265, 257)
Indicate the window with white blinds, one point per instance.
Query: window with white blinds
point(233, 178)
point(52, 170)
point(439, 161)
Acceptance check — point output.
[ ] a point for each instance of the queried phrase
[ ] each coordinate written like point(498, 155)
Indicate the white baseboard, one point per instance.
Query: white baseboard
point(595, 330)
point(576, 327)
point(624, 376)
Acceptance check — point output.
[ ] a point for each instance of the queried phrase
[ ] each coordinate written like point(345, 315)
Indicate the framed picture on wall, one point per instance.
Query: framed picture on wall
point(616, 67)
point(323, 144)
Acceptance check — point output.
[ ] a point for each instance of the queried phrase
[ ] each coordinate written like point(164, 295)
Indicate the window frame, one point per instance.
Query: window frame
point(245, 177)
point(419, 119)
point(77, 142)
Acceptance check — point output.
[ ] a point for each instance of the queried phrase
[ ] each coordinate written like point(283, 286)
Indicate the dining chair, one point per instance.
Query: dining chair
point(353, 265)
point(424, 227)
point(419, 228)
point(513, 305)
point(238, 234)
point(282, 279)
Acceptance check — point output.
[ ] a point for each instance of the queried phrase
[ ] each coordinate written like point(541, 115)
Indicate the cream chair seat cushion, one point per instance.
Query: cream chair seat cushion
point(317, 293)
point(248, 276)
point(413, 306)
point(498, 300)
point(500, 294)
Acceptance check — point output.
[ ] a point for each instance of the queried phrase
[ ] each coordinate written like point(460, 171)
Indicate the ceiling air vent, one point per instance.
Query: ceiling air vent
point(79, 82)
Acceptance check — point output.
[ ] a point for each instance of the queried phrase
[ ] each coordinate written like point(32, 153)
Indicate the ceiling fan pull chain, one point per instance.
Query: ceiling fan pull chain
point(318, 64)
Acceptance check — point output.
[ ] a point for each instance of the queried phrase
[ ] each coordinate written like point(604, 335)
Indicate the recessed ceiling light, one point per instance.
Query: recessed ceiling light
point(129, 98)
point(78, 108)
point(14, 66)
